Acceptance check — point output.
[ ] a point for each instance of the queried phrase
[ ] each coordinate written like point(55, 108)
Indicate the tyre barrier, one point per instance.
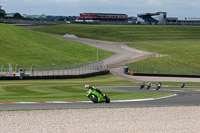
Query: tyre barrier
point(104, 72)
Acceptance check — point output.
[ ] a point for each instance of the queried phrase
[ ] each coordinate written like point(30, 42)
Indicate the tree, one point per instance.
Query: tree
point(18, 16)
point(2, 13)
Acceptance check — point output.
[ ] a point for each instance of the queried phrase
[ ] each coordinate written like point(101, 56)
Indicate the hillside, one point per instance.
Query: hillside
point(181, 44)
point(126, 33)
point(25, 47)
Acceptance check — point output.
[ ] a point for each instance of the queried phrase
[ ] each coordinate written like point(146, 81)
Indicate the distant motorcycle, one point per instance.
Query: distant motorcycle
point(183, 85)
point(158, 86)
point(142, 86)
point(148, 85)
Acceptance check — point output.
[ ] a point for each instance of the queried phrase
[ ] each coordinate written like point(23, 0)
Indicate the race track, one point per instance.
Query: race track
point(182, 98)
point(123, 52)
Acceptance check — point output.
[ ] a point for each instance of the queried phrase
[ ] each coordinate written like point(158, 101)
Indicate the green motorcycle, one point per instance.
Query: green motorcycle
point(97, 96)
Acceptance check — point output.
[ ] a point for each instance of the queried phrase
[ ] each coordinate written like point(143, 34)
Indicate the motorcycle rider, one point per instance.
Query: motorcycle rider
point(148, 85)
point(142, 85)
point(88, 87)
point(99, 96)
point(158, 86)
point(183, 85)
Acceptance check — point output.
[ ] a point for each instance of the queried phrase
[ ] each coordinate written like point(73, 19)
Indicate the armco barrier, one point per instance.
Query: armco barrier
point(104, 72)
point(164, 75)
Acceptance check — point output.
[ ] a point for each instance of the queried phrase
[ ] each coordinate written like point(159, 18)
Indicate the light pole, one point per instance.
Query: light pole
point(97, 54)
point(53, 68)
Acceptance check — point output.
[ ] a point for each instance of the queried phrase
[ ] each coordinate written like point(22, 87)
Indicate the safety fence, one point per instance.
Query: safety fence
point(51, 70)
point(124, 62)
point(187, 68)
point(87, 68)
point(173, 70)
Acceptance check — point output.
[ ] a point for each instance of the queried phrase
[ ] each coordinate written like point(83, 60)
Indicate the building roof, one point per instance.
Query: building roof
point(102, 14)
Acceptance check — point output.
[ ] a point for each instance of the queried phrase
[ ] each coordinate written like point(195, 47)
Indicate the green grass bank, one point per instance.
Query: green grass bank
point(25, 47)
point(180, 44)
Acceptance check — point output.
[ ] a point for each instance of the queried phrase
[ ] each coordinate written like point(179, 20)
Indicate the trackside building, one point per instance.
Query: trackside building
point(104, 18)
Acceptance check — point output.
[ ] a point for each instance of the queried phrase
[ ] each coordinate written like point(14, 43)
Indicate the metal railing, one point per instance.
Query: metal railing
point(52, 70)
point(173, 70)
point(187, 69)
point(86, 68)
point(124, 62)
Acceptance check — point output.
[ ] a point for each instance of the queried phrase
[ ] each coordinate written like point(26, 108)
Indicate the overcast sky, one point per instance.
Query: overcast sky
point(174, 8)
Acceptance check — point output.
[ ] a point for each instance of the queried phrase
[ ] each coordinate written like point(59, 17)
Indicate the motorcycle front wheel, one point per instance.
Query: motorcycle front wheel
point(93, 98)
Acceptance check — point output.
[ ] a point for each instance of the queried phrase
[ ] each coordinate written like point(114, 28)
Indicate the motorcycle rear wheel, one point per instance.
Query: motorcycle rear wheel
point(107, 99)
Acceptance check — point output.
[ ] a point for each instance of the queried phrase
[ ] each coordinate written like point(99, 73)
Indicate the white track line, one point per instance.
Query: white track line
point(148, 99)
point(134, 100)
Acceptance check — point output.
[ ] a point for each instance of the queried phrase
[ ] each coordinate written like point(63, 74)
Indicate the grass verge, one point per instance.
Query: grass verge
point(66, 90)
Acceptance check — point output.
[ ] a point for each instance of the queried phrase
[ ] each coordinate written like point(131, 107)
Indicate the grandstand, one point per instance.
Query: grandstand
point(190, 21)
point(161, 18)
point(102, 18)
point(152, 18)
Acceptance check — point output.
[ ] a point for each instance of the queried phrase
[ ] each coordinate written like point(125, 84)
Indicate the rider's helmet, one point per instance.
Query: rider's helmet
point(87, 86)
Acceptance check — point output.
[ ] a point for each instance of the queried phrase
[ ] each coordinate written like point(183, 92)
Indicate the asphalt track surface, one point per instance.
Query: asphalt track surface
point(180, 98)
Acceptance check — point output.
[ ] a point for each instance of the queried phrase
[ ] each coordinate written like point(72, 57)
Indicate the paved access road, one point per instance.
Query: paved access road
point(123, 53)
point(182, 98)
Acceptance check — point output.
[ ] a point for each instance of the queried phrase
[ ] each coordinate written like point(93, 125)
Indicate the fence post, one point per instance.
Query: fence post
point(63, 70)
point(82, 69)
point(58, 69)
point(74, 69)
point(53, 68)
point(10, 70)
point(42, 70)
point(85, 68)
point(71, 70)
point(78, 69)
point(48, 70)
point(89, 69)
point(16, 68)
point(37, 70)
point(93, 65)
point(32, 70)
